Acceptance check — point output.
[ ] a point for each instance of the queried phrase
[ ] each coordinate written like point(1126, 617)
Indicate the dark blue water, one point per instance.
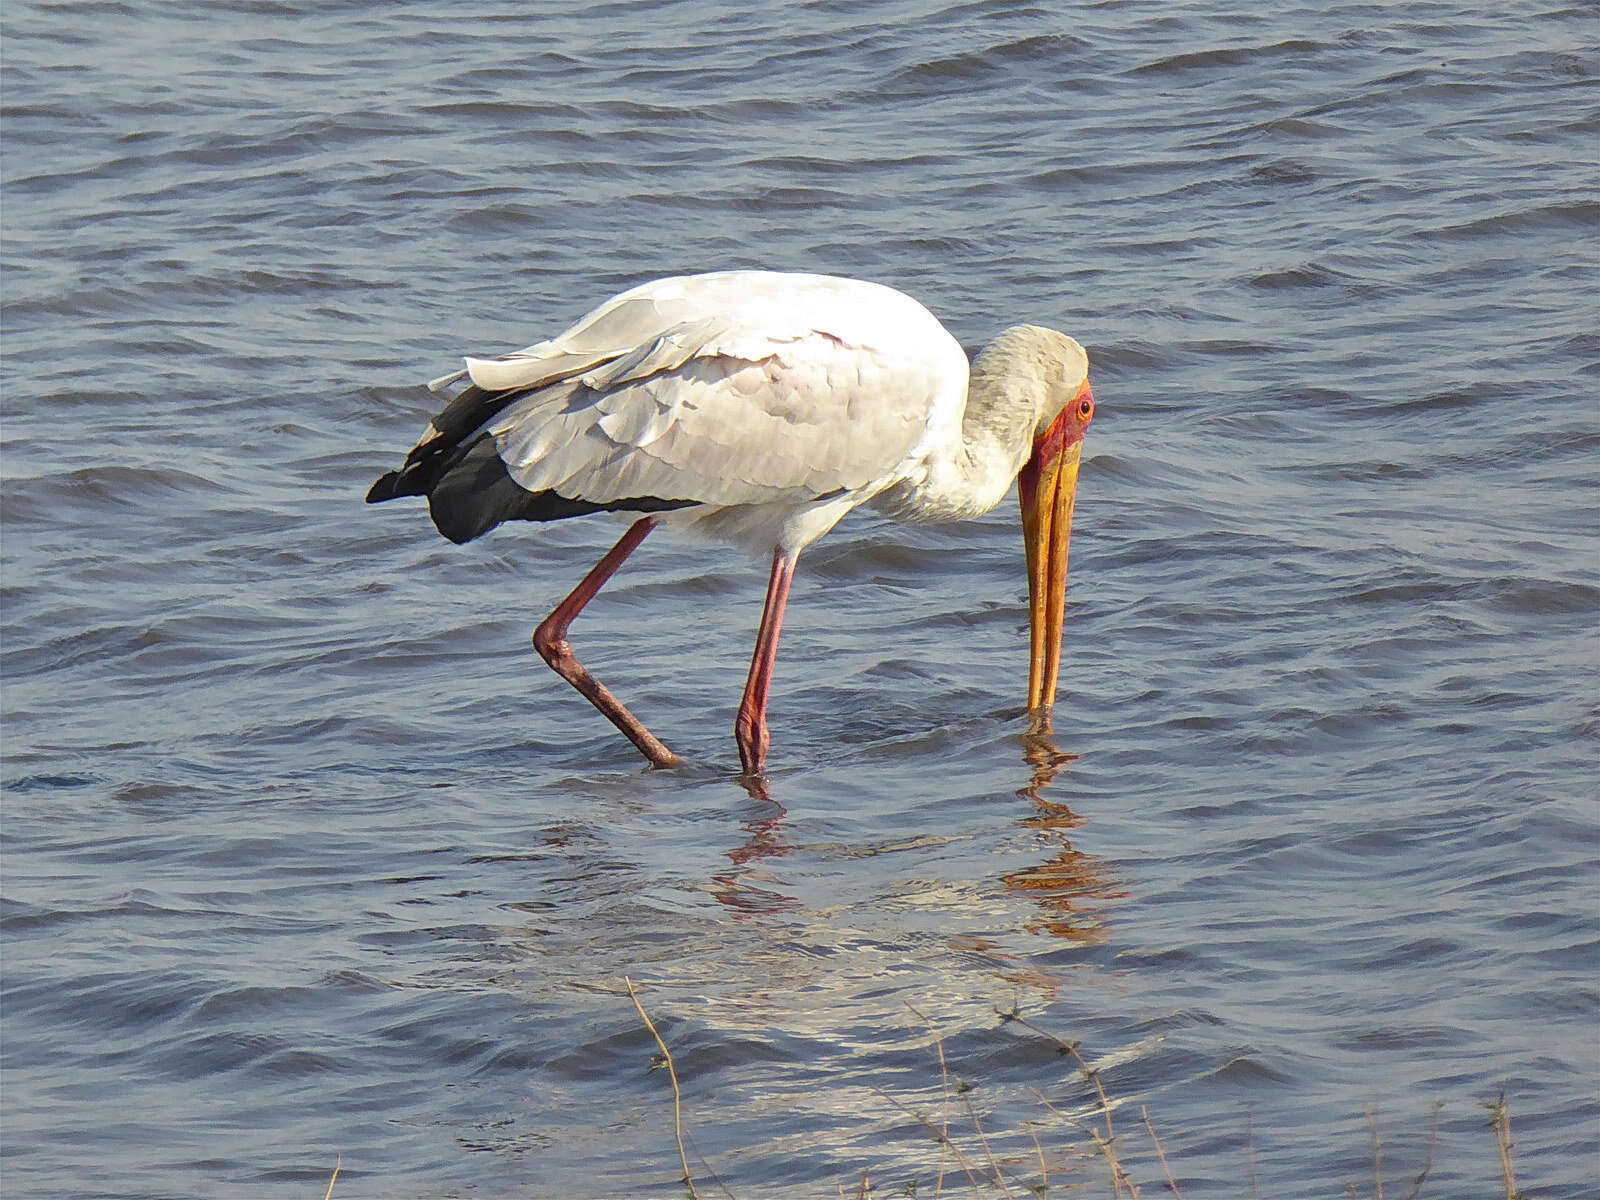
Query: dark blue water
point(306, 854)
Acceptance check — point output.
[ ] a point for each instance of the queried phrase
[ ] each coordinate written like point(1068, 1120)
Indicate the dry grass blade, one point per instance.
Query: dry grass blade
point(944, 1109)
point(1093, 1076)
point(1433, 1145)
point(1106, 1143)
point(1044, 1172)
point(338, 1161)
point(938, 1135)
point(1015, 1015)
point(1066, 1047)
point(999, 1177)
point(1501, 1120)
point(677, 1096)
point(1119, 1177)
point(1160, 1153)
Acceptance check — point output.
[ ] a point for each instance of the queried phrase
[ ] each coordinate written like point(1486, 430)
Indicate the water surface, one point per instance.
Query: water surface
point(307, 854)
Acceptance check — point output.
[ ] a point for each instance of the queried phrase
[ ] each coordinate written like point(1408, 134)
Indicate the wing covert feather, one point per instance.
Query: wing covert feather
point(811, 416)
point(727, 389)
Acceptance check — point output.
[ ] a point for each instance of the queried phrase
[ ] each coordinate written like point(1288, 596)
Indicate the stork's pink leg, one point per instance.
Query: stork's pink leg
point(550, 640)
point(750, 728)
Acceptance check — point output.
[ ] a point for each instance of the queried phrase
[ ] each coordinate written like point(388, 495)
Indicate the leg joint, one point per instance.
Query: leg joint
point(551, 643)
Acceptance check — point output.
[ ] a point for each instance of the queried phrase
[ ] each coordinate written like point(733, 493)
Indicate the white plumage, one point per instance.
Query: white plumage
point(736, 389)
point(749, 406)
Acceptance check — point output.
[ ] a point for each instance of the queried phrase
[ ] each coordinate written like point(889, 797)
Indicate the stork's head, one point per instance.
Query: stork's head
point(1046, 488)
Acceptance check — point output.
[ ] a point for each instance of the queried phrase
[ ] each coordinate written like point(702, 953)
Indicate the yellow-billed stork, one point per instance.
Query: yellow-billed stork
point(758, 408)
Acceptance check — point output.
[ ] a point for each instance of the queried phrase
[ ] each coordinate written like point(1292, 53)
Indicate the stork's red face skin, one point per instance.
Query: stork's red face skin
point(1047, 487)
point(1067, 429)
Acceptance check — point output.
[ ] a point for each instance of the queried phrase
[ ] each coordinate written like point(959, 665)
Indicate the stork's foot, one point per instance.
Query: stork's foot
point(1039, 723)
point(756, 787)
point(750, 731)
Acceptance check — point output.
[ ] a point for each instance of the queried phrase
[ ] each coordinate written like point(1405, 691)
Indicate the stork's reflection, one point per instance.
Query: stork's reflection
point(746, 887)
point(1072, 887)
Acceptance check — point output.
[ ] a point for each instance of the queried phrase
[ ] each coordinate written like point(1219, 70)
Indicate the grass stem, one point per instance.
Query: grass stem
point(1160, 1153)
point(677, 1095)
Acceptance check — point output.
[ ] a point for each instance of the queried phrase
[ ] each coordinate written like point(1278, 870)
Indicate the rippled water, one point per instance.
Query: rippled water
point(307, 854)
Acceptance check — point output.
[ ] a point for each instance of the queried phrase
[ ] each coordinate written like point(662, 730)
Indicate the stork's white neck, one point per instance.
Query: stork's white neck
point(1016, 387)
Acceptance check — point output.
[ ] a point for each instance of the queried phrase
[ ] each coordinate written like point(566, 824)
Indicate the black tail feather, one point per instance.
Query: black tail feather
point(388, 486)
point(468, 488)
point(434, 456)
point(469, 409)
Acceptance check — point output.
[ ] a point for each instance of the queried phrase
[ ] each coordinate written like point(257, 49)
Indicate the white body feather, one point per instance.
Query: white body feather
point(774, 403)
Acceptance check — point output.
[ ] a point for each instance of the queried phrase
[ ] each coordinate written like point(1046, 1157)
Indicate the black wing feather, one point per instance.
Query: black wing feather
point(468, 488)
point(428, 461)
